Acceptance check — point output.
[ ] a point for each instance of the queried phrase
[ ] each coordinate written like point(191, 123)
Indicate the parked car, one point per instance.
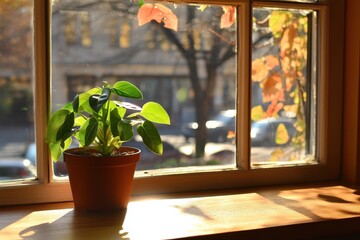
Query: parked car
point(150, 160)
point(218, 128)
point(16, 168)
point(263, 132)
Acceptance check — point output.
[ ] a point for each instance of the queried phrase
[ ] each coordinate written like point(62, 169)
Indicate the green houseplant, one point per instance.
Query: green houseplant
point(101, 121)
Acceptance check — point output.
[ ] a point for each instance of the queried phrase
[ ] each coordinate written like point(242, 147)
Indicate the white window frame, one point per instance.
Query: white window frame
point(329, 136)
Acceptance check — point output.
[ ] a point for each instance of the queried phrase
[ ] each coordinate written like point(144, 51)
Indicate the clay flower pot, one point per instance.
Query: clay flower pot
point(101, 183)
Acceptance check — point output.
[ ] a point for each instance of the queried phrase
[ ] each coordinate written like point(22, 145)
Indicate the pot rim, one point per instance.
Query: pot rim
point(70, 157)
point(73, 151)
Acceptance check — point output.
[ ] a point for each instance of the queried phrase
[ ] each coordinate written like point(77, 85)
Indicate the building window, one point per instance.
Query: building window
point(70, 28)
point(227, 74)
point(76, 28)
point(118, 31)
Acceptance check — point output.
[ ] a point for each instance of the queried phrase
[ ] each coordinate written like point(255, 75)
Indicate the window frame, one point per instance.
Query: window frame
point(330, 57)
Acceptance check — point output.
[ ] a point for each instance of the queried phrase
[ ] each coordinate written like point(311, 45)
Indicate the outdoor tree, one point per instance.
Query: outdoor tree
point(221, 50)
point(15, 61)
point(281, 74)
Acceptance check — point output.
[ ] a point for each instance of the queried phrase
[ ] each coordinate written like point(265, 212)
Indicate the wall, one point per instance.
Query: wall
point(351, 129)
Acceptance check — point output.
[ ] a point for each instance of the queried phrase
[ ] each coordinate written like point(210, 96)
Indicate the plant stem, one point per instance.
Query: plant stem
point(105, 146)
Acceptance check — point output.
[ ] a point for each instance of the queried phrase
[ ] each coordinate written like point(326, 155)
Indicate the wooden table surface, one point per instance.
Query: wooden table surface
point(288, 212)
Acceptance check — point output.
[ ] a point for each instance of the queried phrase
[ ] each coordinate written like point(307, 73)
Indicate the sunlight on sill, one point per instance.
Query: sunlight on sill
point(185, 170)
point(194, 214)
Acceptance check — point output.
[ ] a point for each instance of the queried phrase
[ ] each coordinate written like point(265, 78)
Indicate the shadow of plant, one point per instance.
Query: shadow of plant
point(193, 210)
point(81, 225)
point(332, 199)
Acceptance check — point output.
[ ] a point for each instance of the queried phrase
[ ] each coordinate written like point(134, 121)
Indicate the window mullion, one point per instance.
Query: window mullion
point(244, 78)
point(41, 80)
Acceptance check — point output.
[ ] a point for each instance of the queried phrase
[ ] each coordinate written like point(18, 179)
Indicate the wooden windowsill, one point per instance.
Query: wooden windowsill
point(288, 212)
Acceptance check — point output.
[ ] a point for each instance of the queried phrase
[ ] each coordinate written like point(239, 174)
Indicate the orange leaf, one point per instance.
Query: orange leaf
point(231, 134)
point(158, 12)
point(258, 70)
point(274, 108)
point(287, 40)
point(228, 17)
point(272, 88)
point(271, 61)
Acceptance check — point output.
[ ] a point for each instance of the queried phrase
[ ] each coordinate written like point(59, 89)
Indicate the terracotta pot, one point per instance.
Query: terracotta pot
point(101, 183)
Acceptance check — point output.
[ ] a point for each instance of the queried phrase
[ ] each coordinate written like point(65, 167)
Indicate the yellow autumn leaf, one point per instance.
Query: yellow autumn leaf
point(303, 24)
point(282, 135)
point(276, 23)
point(293, 109)
point(257, 113)
point(277, 155)
point(300, 125)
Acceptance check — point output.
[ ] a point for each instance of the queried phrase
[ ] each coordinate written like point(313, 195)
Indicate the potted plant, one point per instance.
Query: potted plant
point(101, 170)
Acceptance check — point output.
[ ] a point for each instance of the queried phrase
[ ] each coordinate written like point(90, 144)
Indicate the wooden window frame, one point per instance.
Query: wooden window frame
point(46, 189)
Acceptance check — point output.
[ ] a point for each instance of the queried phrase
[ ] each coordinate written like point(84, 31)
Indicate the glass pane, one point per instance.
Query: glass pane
point(283, 87)
point(17, 152)
point(189, 68)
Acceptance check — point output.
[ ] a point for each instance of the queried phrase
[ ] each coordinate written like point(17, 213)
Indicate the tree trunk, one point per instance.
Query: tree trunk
point(203, 88)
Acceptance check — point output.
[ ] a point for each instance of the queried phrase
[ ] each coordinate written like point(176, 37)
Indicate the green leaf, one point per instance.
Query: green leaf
point(93, 102)
point(118, 127)
point(65, 130)
point(115, 116)
point(68, 106)
point(68, 143)
point(126, 89)
point(65, 143)
point(55, 151)
point(87, 133)
point(154, 112)
point(55, 123)
point(79, 121)
point(114, 119)
point(75, 103)
point(151, 137)
point(125, 130)
point(84, 99)
point(105, 95)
